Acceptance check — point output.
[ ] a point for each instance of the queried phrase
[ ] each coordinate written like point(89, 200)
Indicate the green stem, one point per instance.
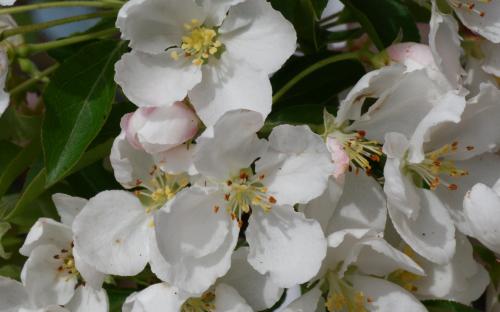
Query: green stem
point(45, 5)
point(28, 83)
point(36, 27)
point(26, 49)
point(306, 72)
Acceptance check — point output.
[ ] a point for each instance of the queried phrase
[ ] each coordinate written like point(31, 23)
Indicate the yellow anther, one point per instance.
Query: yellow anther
point(200, 43)
point(436, 164)
point(174, 55)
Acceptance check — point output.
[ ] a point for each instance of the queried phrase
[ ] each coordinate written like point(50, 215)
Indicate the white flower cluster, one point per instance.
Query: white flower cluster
point(228, 220)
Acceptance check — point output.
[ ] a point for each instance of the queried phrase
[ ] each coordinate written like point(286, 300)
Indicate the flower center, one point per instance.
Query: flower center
point(244, 191)
point(434, 165)
point(361, 152)
point(343, 297)
point(205, 303)
point(404, 278)
point(160, 188)
point(67, 260)
point(469, 6)
point(199, 43)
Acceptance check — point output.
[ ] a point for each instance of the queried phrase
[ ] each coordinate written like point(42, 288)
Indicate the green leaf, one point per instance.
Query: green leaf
point(37, 184)
point(17, 127)
point(383, 20)
point(4, 227)
point(14, 160)
point(78, 101)
point(447, 306)
point(304, 15)
point(320, 87)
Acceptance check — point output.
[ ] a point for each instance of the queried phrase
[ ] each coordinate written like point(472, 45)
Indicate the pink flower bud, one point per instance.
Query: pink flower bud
point(413, 55)
point(158, 129)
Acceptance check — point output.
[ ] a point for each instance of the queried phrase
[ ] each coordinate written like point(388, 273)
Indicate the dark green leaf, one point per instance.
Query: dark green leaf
point(37, 183)
point(14, 160)
point(17, 127)
point(304, 15)
point(78, 101)
point(384, 20)
point(320, 87)
point(490, 262)
point(344, 35)
point(447, 306)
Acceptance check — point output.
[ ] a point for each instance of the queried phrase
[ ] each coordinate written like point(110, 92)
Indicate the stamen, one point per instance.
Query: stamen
point(161, 188)
point(245, 191)
point(199, 43)
point(359, 150)
point(435, 164)
point(469, 6)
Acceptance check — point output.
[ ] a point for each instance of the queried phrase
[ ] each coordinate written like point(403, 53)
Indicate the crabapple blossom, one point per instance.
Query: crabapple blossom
point(219, 54)
point(229, 188)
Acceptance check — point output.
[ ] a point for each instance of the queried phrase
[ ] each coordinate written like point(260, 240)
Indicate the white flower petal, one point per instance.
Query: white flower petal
point(131, 166)
point(234, 145)
point(374, 83)
point(227, 299)
point(491, 58)
point(46, 232)
point(278, 242)
point(296, 166)
point(194, 225)
point(488, 25)
point(177, 160)
point(156, 298)
point(68, 207)
point(448, 110)
point(44, 283)
point(229, 84)
point(400, 190)
point(386, 296)
point(216, 10)
point(475, 75)
point(477, 133)
point(431, 233)
point(258, 34)
point(155, 80)
point(482, 211)
point(479, 169)
point(195, 241)
point(112, 232)
point(462, 279)
point(414, 94)
point(362, 205)
point(7, 2)
point(323, 207)
point(89, 273)
point(13, 296)
point(257, 289)
point(4, 70)
point(152, 26)
point(374, 256)
point(305, 303)
point(87, 299)
point(444, 42)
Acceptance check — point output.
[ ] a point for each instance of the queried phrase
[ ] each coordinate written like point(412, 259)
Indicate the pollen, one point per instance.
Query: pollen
point(161, 188)
point(359, 150)
point(199, 43)
point(245, 191)
point(437, 164)
point(469, 6)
